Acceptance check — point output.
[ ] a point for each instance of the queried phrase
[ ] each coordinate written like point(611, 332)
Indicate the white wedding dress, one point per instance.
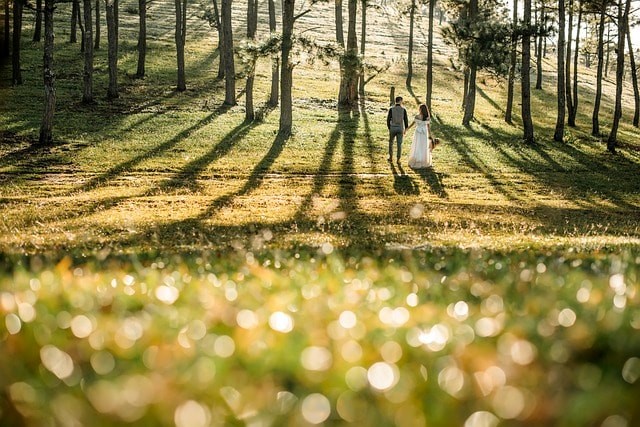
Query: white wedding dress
point(420, 153)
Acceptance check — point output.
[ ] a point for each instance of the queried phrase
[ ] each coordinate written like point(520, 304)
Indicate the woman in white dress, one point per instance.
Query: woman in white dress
point(420, 152)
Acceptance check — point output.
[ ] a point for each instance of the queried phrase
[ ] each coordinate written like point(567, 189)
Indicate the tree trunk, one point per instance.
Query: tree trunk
point(623, 24)
point(6, 45)
point(512, 68)
point(412, 12)
point(574, 110)
point(112, 39)
point(75, 11)
point(252, 23)
point(227, 51)
point(37, 31)
point(218, 23)
point(142, 38)
point(46, 128)
point(87, 93)
point(432, 5)
point(81, 26)
point(16, 77)
point(562, 93)
point(275, 61)
point(634, 78)
point(606, 61)
point(349, 67)
point(525, 76)
point(96, 41)
point(286, 72)
point(567, 59)
point(539, 50)
point(470, 101)
point(363, 38)
point(595, 123)
point(180, 36)
point(339, 23)
point(465, 87)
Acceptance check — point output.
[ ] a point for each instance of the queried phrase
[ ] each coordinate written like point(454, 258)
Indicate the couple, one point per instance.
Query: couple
point(422, 145)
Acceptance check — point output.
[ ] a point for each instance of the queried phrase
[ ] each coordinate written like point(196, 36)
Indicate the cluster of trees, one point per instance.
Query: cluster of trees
point(488, 38)
point(487, 35)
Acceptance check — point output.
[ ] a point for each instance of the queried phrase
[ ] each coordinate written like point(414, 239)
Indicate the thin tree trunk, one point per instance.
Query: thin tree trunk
point(275, 61)
point(412, 13)
point(37, 31)
point(432, 5)
point(525, 76)
point(96, 41)
point(180, 36)
point(6, 45)
point(562, 92)
point(286, 72)
point(623, 24)
point(112, 39)
point(142, 38)
point(595, 123)
point(87, 93)
point(16, 77)
point(465, 87)
point(46, 127)
point(349, 69)
point(218, 23)
point(227, 51)
point(75, 11)
point(470, 102)
point(574, 110)
point(634, 78)
point(512, 69)
point(81, 26)
point(539, 50)
point(252, 23)
point(567, 59)
point(339, 23)
point(606, 61)
point(363, 38)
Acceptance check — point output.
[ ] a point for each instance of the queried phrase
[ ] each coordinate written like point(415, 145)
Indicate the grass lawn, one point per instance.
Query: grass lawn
point(165, 262)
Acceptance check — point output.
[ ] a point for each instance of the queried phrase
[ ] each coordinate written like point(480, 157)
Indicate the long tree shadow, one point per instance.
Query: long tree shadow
point(368, 139)
point(403, 184)
point(434, 180)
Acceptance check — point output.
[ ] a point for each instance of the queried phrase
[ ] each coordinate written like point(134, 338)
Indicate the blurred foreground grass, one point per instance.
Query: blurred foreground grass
point(434, 337)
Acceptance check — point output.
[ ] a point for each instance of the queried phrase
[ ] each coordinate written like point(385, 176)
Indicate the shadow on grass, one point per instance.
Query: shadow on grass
point(402, 183)
point(434, 180)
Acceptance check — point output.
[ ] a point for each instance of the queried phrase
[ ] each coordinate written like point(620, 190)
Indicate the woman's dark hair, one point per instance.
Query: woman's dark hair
point(424, 111)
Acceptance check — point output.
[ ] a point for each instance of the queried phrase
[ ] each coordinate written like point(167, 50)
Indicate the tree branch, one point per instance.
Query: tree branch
point(300, 15)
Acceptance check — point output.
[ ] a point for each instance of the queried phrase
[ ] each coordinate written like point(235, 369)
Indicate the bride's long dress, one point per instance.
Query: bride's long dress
point(420, 153)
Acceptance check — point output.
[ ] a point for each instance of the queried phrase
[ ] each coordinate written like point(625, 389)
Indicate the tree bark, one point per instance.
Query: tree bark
point(16, 77)
point(96, 41)
point(218, 23)
point(75, 11)
point(227, 51)
point(470, 101)
point(349, 69)
point(432, 5)
point(363, 38)
point(634, 78)
point(180, 36)
point(286, 72)
point(567, 59)
point(525, 76)
point(142, 38)
point(46, 127)
point(623, 24)
point(608, 40)
point(595, 123)
point(37, 31)
point(252, 23)
point(539, 50)
point(339, 23)
point(574, 110)
point(87, 93)
point(512, 69)
point(561, 95)
point(275, 61)
point(112, 40)
point(465, 87)
point(412, 12)
point(6, 45)
point(81, 26)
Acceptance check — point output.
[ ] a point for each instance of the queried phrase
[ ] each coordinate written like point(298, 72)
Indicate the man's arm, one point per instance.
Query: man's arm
point(406, 119)
point(389, 119)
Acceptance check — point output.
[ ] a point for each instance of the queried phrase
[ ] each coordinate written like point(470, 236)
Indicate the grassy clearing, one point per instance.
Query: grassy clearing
point(153, 259)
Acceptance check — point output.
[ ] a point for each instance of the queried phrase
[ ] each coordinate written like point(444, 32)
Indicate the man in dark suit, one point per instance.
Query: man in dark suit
point(397, 123)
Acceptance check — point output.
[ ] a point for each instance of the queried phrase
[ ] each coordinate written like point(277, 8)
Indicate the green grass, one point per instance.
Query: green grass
point(143, 255)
